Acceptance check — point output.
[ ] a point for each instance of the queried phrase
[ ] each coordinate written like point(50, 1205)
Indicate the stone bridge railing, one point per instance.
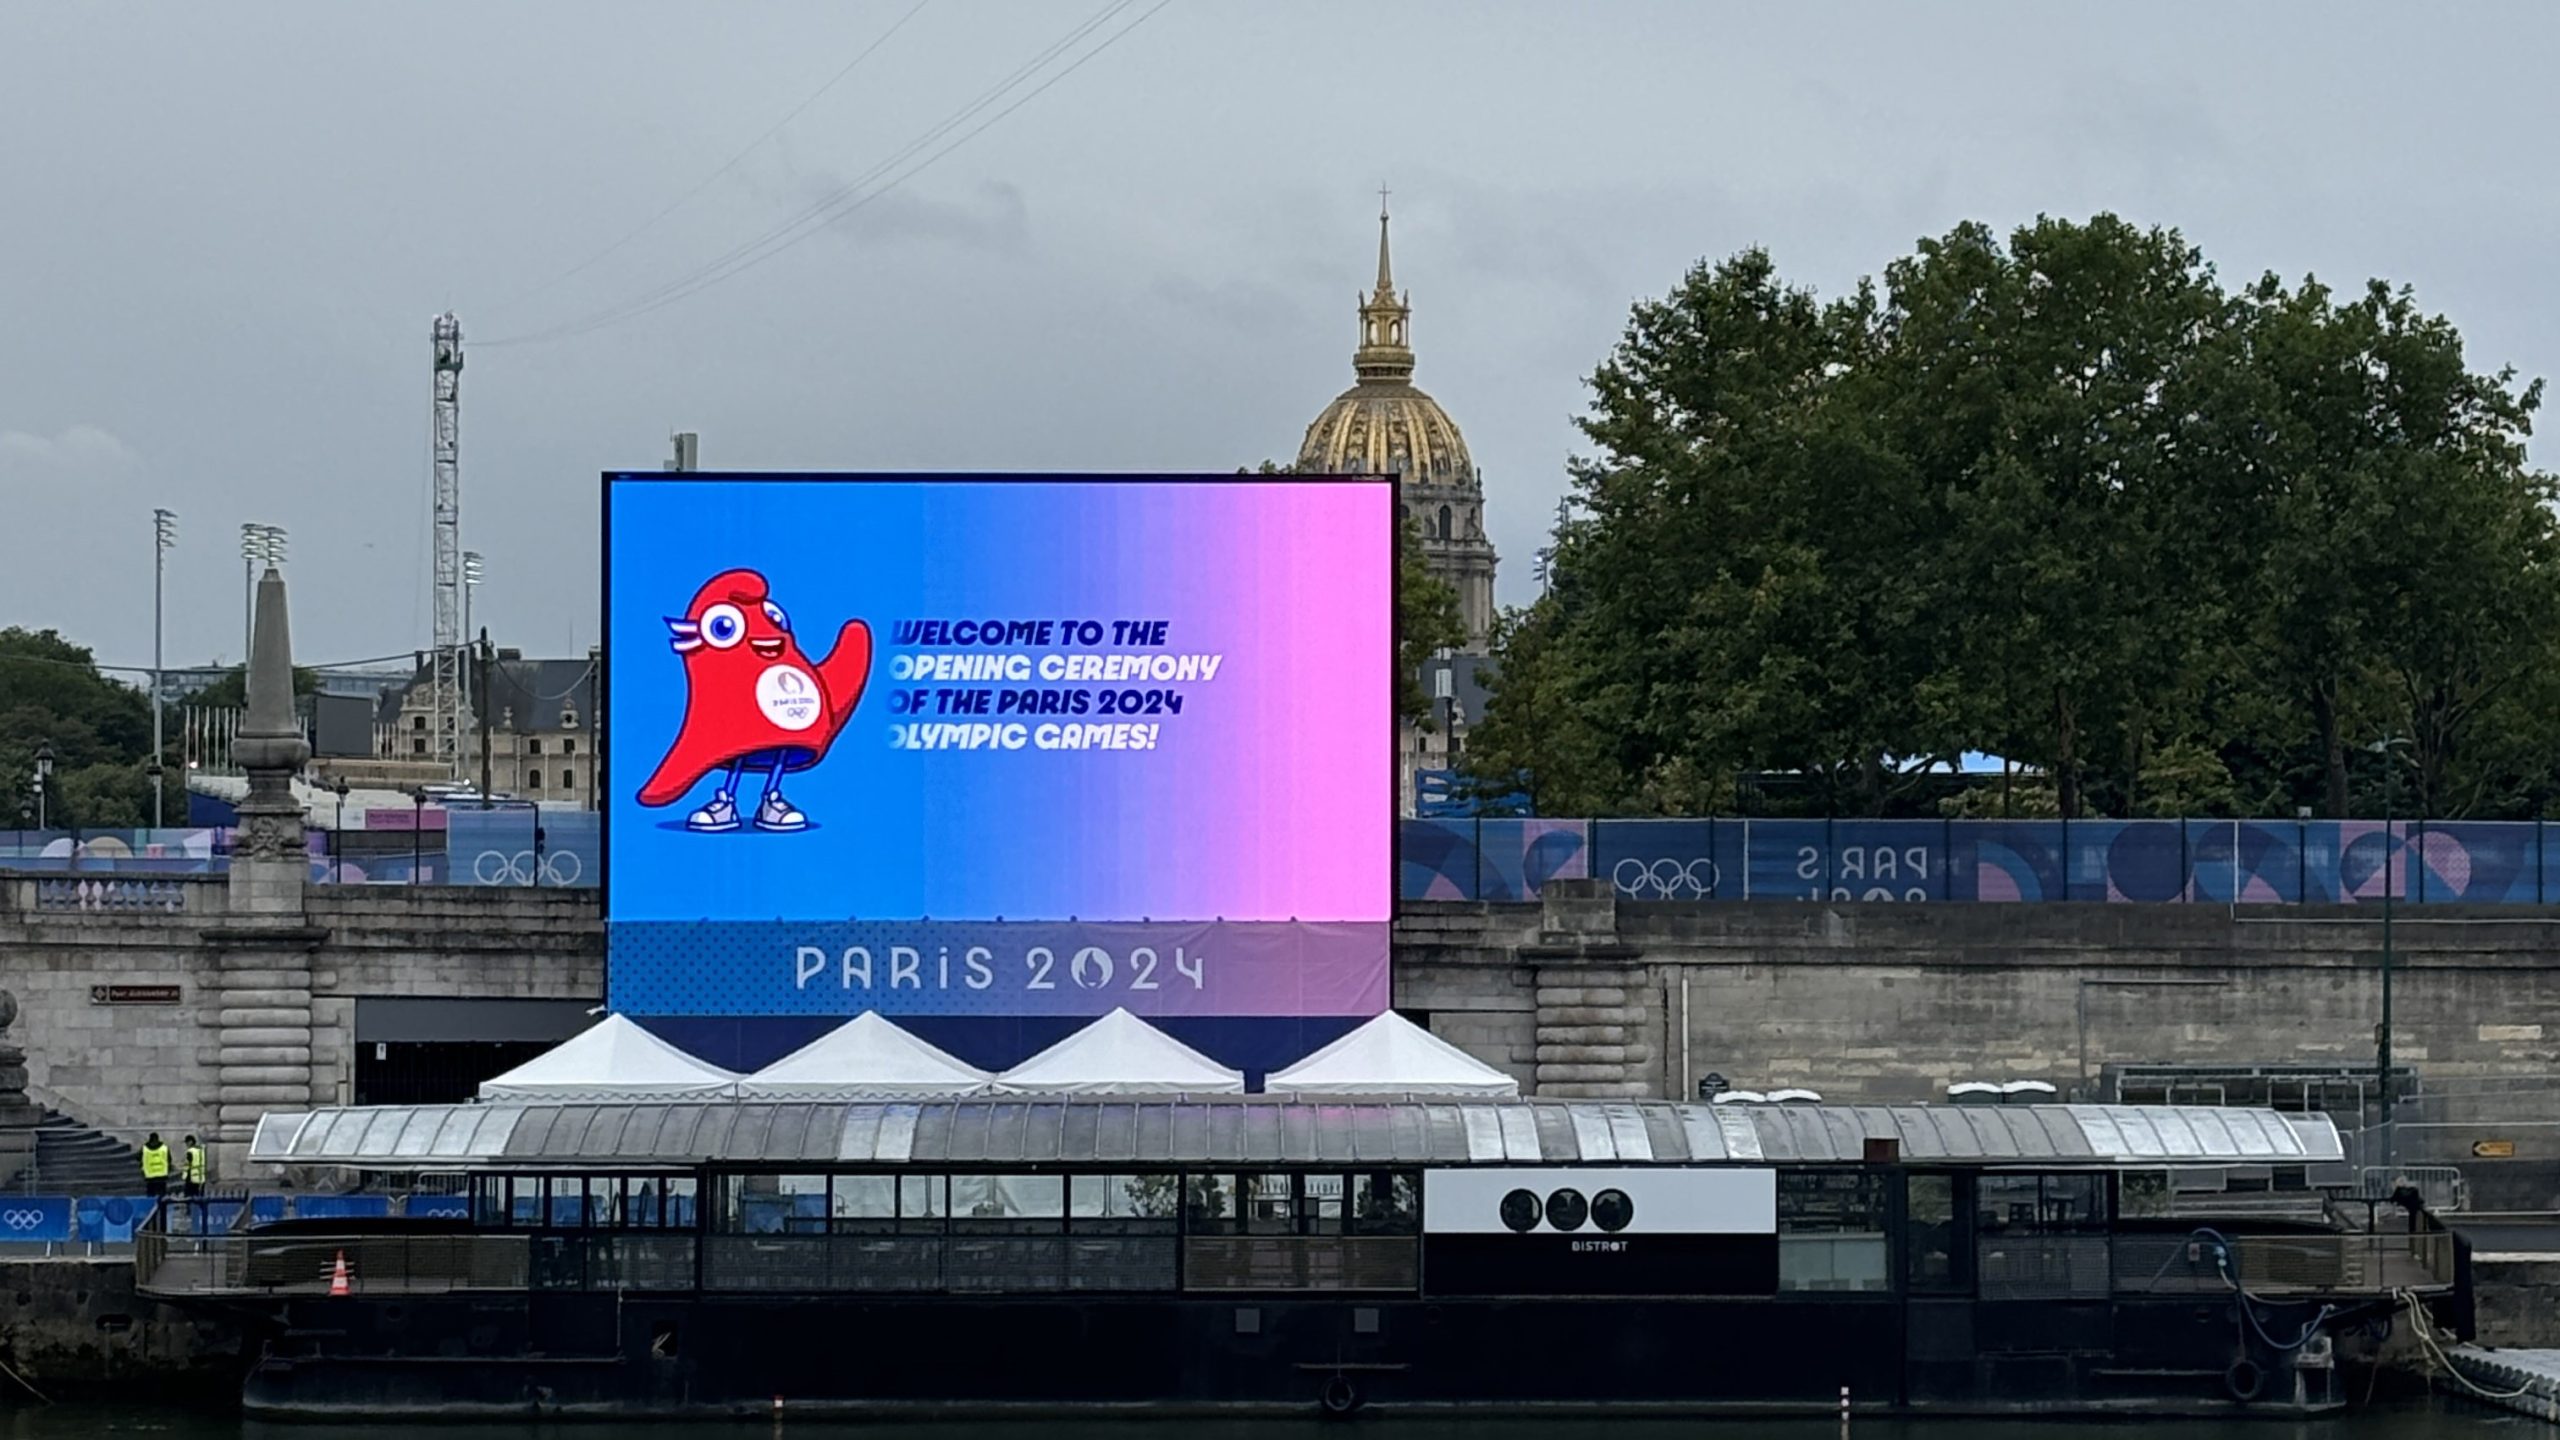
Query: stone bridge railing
point(115, 894)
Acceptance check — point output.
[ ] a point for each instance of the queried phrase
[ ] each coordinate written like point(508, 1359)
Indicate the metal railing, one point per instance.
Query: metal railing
point(2439, 1186)
point(263, 1263)
point(2361, 1264)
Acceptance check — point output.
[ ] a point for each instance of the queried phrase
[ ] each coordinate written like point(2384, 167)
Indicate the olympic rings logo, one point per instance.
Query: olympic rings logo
point(1666, 879)
point(559, 869)
point(21, 1219)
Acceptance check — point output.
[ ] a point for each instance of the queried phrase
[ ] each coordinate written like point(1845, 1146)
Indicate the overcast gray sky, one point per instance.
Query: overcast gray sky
point(224, 229)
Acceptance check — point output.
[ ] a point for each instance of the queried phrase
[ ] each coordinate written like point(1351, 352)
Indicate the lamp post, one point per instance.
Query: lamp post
point(164, 534)
point(259, 544)
point(338, 836)
point(44, 773)
point(2382, 1032)
point(472, 570)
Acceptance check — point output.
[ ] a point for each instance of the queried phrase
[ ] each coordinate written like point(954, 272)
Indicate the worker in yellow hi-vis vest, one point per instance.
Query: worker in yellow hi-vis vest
point(191, 1184)
point(155, 1166)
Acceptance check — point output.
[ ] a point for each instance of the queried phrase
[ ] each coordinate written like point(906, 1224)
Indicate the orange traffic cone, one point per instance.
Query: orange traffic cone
point(338, 1275)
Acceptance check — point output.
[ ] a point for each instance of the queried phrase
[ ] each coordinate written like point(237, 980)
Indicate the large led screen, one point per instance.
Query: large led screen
point(999, 745)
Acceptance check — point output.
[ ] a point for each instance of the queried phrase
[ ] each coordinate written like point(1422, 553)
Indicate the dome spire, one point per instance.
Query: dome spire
point(1385, 355)
point(1386, 275)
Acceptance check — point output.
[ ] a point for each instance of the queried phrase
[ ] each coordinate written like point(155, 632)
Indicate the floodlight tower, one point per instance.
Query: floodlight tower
point(445, 676)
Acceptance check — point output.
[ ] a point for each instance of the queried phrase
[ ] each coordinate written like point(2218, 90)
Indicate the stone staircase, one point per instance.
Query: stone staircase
point(74, 1159)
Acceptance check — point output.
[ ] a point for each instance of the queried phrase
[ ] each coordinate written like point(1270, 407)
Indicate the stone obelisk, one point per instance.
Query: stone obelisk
point(262, 1016)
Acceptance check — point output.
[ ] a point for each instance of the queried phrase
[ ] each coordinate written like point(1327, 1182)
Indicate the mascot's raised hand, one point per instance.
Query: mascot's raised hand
point(753, 702)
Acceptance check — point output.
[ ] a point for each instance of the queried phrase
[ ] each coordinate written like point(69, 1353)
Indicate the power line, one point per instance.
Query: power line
point(9, 658)
point(850, 197)
point(733, 161)
point(744, 253)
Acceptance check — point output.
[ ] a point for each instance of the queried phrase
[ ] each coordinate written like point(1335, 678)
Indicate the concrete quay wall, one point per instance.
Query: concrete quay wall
point(1587, 995)
point(1582, 995)
point(156, 1006)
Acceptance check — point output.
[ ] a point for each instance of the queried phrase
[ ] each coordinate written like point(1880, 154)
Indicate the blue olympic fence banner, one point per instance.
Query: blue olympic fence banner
point(2211, 862)
point(109, 1219)
point(113, 1219)
point(35, 1218)
point(518, 845)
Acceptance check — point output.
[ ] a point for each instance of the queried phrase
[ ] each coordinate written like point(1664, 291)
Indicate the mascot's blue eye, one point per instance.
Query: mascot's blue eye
point(780, 621)
point(723, 626)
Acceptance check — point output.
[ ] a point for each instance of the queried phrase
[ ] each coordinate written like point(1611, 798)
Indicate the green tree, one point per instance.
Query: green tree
point(1538, 738)
point(2043, 389)
point(51, 693)
point(1700, 617)
point(1426, 622)
point(2056, 495)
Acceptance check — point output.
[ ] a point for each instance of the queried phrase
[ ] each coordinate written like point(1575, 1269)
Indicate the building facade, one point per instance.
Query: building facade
point(540, 717)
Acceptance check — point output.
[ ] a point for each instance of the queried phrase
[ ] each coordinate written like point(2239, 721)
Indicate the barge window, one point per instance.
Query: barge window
point(2143, 1194)
point(773, 1204)
point(1270, 1204)
point(1148, 1202)
point(865, 1204)
point(923, 1201)
point(1210, 1205)
point(1008, 1197)
point(803, 1201)
point(605, 1196)
point(1386, 1203)
point(1321, 1206)
point(2041, 1237)
point(1832, 1230)
point(2057, 1204)
point(1932, 1257)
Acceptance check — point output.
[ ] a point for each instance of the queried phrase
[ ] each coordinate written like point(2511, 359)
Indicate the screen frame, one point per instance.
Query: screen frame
point(603, 735)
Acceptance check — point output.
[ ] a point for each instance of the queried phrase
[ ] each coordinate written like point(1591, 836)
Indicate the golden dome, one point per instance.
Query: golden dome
point(1373, 429)
point(1382, 424)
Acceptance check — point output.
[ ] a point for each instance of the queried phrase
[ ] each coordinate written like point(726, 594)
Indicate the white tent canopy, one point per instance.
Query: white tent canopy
point(1391, 1055)
point(864, 1057)
point(612, 1060)
point(1120, 1054)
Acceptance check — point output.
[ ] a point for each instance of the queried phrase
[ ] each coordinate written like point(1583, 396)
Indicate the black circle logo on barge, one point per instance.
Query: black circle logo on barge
point(1566, 1209)
point(1521, 1211)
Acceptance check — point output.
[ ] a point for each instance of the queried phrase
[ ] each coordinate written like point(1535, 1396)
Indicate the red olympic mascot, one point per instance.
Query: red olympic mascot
point(753, 701)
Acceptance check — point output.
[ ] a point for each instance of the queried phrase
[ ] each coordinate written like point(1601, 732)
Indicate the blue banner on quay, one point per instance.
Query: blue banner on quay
point(2204, 862)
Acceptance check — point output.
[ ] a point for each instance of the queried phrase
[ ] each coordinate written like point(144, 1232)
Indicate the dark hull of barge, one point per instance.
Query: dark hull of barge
point(1165, 1257)
point(627, 1357)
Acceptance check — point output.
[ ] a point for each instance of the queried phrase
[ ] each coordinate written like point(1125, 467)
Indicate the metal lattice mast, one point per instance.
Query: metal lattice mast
point(445, 686)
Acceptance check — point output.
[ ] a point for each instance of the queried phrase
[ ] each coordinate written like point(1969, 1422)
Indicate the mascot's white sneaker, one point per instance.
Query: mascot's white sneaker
point(775, 813)
point(719, 816)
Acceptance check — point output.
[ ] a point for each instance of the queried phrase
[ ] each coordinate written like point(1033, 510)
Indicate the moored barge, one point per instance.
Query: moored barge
point(1244, 1254)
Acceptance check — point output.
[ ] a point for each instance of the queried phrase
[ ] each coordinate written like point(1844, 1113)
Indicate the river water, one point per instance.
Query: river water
point(2409, 1420)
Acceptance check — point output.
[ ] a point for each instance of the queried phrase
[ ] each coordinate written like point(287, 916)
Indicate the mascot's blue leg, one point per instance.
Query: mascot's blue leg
point(777, 813)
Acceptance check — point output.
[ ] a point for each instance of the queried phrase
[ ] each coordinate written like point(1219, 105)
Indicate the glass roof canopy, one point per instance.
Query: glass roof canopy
point(1247, 1131)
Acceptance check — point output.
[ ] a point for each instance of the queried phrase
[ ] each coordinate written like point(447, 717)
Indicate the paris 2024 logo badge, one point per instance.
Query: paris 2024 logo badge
point(755, 703)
